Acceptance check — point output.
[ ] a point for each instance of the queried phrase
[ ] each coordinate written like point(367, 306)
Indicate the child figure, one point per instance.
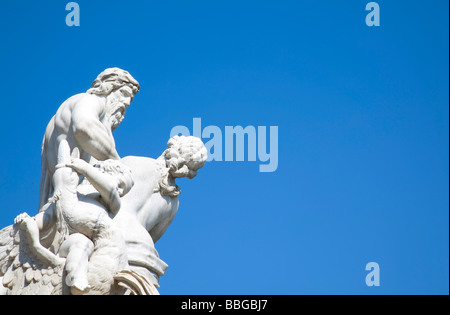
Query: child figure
point(89, 225)
point(84, 216)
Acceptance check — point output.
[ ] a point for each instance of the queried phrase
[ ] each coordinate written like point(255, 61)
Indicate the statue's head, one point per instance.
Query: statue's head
point(119, 89)
point(183, 158)
point(120, 172)
point(112, 79)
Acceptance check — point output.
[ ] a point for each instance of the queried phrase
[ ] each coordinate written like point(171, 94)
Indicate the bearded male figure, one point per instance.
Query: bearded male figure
point(86, 121)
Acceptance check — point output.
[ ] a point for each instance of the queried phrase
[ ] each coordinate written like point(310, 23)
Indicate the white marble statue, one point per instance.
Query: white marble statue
point(86, 121)
point(99, 216)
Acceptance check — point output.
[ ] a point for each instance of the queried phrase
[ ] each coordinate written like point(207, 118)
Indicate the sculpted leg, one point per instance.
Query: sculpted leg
point(77, 249)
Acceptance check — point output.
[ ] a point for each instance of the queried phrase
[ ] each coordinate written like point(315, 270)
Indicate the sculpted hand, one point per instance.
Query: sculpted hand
point(21, 217)
point(78, 165)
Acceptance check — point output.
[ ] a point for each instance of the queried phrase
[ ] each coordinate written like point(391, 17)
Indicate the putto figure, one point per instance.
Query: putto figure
point(99, 215)
point(83, 215)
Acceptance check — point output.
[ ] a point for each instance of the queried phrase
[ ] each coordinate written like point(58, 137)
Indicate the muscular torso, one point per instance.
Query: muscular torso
point(82, 121)
point(61, 128)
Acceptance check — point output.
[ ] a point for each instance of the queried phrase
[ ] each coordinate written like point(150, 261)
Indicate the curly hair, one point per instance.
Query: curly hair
point(183, 158)
point(119, 171)
point(112, 79)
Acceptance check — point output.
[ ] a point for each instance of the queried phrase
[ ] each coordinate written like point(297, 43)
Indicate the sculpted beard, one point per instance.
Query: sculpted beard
point(116, 111)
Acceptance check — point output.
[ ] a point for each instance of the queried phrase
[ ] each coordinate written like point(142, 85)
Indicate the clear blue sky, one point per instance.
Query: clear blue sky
point(363, 117)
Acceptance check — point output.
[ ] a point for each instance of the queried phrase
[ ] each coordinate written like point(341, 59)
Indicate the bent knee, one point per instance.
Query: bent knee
point(76, 241)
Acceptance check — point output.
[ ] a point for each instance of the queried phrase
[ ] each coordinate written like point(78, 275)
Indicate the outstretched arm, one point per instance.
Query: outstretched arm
point(91, 135)
point(45, 219)
point(105, 184)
